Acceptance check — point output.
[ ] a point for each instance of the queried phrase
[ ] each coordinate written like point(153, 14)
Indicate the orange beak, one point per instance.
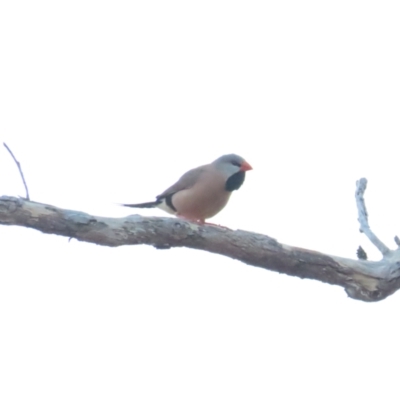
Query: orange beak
point(245, 166)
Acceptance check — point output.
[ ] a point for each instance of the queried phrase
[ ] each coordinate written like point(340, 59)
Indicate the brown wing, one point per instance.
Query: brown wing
point(186, 181)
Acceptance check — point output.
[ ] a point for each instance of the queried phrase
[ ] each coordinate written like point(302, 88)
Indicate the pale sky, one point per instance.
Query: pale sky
point(106, 102)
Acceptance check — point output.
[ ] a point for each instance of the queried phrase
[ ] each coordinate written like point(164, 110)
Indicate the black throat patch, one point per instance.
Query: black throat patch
point(235, 181)
point(168, 200)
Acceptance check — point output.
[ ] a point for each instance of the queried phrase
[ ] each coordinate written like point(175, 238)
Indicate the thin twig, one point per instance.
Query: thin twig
point(363, 218)
point(20, 171)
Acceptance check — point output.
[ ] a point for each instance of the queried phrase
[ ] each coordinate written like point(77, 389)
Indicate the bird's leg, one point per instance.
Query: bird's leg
point(193, 221)
point(202, 222)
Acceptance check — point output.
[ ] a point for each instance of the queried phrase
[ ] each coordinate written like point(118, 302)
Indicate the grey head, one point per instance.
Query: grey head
point(234, 168)
point(230, 164)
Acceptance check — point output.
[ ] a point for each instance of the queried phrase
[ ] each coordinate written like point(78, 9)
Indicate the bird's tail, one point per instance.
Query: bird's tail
point(150, 204)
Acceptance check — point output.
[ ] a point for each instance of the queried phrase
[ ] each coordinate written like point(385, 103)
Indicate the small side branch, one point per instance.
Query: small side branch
point(20, 171)
point(361, 186)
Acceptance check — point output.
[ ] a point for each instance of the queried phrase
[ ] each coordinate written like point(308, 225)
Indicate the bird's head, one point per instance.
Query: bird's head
point(231, 164)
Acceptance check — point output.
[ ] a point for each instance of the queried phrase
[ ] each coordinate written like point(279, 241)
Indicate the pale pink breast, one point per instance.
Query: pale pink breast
point(204, 200)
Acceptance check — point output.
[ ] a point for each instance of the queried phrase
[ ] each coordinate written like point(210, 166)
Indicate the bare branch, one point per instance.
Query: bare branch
point(20, 171)
point(361, 186)
point(362, 280)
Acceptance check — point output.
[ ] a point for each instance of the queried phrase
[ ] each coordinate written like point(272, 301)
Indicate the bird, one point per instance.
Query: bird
point(202, 192)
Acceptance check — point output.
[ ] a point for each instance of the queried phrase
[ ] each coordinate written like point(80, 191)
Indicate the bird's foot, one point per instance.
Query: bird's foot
point(202, 222)
point(216, 225)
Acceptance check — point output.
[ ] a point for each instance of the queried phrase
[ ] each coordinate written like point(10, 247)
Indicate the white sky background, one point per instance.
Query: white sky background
point(106, 102)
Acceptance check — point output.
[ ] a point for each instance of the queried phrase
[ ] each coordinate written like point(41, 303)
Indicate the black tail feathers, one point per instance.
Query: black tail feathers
point(150, 204)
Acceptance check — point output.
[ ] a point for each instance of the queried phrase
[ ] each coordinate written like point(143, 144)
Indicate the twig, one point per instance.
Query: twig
point(363, 218)
point(20, 171)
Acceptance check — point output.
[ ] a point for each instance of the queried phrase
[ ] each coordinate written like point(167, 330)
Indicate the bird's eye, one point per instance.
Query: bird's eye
point(236, 164)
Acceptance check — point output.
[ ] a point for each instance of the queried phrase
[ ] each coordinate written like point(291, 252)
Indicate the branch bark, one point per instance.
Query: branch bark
point(362, 280)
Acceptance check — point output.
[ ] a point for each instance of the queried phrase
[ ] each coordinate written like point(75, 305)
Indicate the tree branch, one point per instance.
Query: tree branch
point(363, 218)
point(362, 280)
point(19, 169)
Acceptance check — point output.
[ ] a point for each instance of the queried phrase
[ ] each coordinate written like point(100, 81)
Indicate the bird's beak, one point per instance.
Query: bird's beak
point(245, 166)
